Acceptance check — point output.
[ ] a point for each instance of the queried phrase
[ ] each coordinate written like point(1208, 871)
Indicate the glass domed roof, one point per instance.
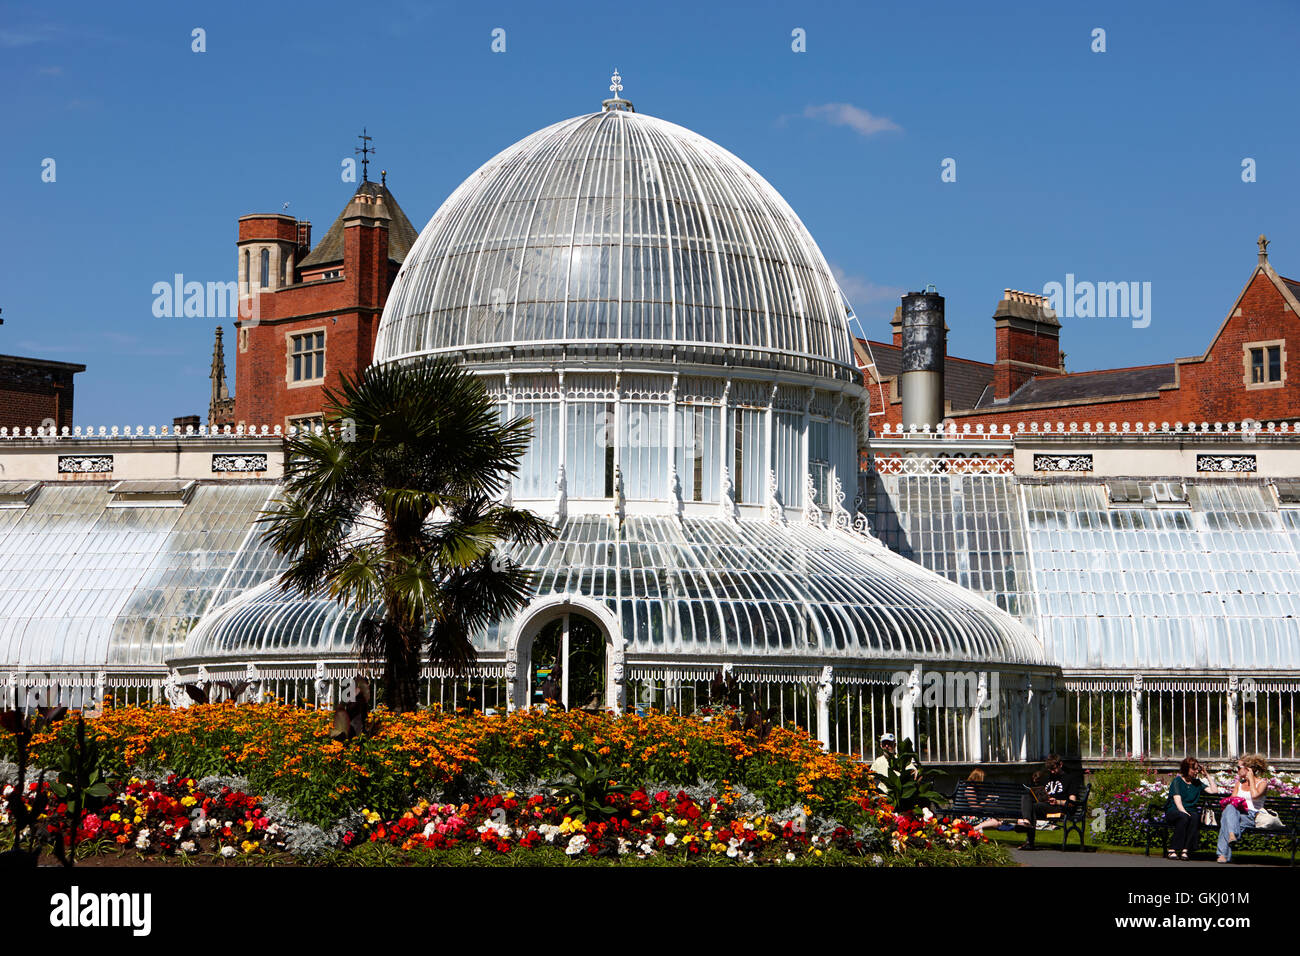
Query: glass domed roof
point(701, 588)
point(618, 230)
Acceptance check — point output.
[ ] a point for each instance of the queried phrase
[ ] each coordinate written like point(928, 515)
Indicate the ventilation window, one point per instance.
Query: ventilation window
point(163, 493)
point(1169, 492)
point(1125, 492)
point(18, 494)
point(1147, 494)
point(1288, 491)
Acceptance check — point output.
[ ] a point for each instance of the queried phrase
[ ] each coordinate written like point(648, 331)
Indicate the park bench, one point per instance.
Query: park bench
point(1287, 809)
point(1003, 801)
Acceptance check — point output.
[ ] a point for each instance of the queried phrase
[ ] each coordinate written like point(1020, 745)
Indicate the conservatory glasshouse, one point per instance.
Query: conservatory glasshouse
point(727, 514)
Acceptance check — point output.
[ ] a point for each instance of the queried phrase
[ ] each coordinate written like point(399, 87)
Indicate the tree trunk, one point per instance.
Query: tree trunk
point(402, 667)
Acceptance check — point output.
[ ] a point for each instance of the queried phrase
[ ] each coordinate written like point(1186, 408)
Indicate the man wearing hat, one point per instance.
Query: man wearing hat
point(880, 766)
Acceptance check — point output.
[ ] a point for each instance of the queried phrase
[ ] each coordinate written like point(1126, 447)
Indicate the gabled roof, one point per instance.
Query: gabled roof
point(401, 234)
point(1076, 386)
point(964, 380)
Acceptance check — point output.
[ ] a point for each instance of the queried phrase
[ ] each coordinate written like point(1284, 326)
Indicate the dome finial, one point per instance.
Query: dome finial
point(617, 102)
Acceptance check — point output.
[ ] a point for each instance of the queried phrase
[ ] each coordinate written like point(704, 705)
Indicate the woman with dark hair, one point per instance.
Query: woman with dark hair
point(1183, 808)
point(1050, 793)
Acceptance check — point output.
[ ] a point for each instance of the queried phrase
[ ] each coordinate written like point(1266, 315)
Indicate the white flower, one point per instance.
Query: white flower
point(789, 856)
point(478, 850)
point(576, 844)
point(227, 851)
point(142, 840)
point(670, 839)
point(189, 846)
point(732, 852)
point(876, 860)
point(622, 846)
point(501, 831)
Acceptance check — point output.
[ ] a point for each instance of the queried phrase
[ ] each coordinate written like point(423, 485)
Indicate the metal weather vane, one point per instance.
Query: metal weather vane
point(364, 150)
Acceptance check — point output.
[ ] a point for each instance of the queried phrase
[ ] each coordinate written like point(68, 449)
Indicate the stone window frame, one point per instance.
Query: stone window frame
point(315, 418)
point(1247, 348)
point(289, 353)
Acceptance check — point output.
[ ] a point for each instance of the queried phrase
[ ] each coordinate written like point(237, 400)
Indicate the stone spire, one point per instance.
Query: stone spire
point(222, 406)
point(1262, 242)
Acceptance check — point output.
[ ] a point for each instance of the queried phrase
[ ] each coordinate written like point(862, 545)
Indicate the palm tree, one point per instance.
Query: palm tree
point(396, 508)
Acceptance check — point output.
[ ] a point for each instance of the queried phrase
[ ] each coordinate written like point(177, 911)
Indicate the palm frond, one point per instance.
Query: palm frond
point(359, 578)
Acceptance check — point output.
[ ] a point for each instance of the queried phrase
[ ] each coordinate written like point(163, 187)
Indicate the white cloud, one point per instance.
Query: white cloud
point(12, 38)
point(854, 117)
point(863, 293)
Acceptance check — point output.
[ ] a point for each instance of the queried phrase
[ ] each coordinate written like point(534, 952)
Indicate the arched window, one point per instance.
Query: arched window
point(247, 275)
point(266, 268)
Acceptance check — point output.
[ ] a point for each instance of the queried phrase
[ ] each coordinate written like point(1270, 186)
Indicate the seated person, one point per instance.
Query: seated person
point(1183, 809)
point(1246, 800)
point(1051, 791)
point(970, 802)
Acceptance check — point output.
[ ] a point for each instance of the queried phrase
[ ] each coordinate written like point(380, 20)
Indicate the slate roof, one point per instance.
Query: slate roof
point(401, 234)
point(964, 380)
point(1077, 386)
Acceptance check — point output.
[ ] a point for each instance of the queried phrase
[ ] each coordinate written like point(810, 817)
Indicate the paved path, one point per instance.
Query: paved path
point(1073, 858)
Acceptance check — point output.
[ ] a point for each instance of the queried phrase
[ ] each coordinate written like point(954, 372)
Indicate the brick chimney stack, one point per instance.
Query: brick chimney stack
point(1028, 341)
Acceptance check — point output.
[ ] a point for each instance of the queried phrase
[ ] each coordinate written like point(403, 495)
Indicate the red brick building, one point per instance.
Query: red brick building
point(36, 392)
point(1244, 373)
point(312, 312)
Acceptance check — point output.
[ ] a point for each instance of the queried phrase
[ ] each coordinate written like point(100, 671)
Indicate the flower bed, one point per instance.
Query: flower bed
point(673, 825)
point(169, 817)
point(437, 785)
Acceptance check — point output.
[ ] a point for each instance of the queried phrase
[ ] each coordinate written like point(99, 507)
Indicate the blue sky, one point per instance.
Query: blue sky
point(1117, 166)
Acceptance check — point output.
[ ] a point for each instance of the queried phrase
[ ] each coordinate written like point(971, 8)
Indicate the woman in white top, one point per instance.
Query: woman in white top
point(1252, 781)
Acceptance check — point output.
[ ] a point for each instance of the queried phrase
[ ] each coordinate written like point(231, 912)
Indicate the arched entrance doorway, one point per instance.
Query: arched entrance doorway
point(567, 649)
point(568, 664)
